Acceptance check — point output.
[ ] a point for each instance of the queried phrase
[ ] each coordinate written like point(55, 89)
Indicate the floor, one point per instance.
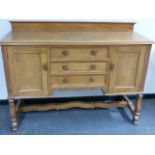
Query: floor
point(81, 122)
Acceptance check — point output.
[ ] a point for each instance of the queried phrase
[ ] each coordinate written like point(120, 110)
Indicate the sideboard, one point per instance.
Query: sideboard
point(40, 57)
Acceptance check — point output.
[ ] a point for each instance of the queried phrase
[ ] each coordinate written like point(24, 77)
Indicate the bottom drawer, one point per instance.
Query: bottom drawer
point(74, 81)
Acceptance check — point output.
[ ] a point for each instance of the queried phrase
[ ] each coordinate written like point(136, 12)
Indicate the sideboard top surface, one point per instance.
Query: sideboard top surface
point(73, 33)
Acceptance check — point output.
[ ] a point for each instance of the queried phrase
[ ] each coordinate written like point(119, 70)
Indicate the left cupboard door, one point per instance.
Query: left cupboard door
point(28, 68)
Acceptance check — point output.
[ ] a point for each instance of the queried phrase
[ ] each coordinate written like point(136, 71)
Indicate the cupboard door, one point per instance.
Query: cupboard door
point(127, 69)
point(28, 68)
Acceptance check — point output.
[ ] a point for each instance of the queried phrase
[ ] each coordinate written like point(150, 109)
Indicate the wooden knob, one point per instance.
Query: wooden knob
point(45, 67)
point(65, 53)
point(91, 80)
point(112, 66)
point(65, 81)
point(65, 67)
point(93, 67)
point(93, 53)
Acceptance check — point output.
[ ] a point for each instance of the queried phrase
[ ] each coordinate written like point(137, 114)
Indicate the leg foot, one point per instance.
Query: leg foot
point(137, 109)
point(135, 119)
point(14, 125)
point(13, 114)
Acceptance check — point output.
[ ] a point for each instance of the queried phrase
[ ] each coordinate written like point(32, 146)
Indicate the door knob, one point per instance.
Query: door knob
point(45, 67)
point(112, 66)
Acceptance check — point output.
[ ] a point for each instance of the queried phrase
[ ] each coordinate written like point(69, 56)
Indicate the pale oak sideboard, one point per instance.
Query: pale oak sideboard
point(40, 57)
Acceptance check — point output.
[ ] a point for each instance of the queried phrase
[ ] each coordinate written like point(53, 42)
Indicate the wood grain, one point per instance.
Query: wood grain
point(27, 71)
point(40, 57)
point(43, 107)
point(71, 26)
point(7, 70)
point(130, 104)
point(13, 114)
point(74, 67)
point(74, 38)
point(74, 53)
point(78, 81)
point(128, 67)
point(137, 109)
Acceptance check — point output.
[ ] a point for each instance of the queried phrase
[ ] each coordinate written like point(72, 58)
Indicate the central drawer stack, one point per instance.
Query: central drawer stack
point(78, 67)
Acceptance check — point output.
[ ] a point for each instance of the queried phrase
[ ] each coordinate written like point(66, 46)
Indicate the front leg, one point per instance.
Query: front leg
point(137, 108)
point(13, 114)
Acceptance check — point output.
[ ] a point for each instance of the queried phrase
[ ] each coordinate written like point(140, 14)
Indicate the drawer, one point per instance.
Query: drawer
point(73, 81)
point(62, 68)
point(62, 54)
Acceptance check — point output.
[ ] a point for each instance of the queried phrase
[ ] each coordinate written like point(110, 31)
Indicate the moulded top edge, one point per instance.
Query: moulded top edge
point(71, 21)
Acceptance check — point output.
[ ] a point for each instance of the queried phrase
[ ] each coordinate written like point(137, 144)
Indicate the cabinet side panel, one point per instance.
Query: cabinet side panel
point(146, 62)
point(6, 69)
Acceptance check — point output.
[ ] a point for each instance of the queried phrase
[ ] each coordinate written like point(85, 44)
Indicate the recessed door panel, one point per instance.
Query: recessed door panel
point(27, 69)
point(126, 75)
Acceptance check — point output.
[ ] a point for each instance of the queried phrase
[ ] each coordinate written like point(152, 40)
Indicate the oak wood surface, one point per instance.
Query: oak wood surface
point(78, 81)
point(74, 38)
point(13, 114)
point(7, 70)
point(128, 68)
point(137, 108)
point(82, 53)
point(72, 26)
point(130, 104)
point(28, 108)
point(76, 67)
point(26, 70)
point(31, 71)
point(41, 57)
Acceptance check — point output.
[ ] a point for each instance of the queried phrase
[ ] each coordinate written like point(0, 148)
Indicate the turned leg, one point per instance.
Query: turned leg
point(13, 114)
point(137, 109)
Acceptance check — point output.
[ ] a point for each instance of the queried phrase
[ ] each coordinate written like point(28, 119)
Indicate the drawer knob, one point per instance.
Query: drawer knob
point(65, 53)
point(65, 81)
point(45, 67)
point(91, 80)
point(65, 67)
point(93, 67)
point(93, 53)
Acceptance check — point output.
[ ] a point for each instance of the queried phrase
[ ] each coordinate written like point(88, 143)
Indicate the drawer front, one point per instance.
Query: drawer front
point(62, 54)
point(78, 81)
point(62, 68)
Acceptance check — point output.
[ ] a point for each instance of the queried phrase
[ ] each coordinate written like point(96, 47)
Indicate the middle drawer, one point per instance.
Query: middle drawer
point(84, 67)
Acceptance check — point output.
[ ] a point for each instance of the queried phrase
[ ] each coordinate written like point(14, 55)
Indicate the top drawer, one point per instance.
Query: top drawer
point(82, 54)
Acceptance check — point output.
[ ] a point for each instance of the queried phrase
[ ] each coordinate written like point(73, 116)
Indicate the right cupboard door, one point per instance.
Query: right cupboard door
point(127, 68)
